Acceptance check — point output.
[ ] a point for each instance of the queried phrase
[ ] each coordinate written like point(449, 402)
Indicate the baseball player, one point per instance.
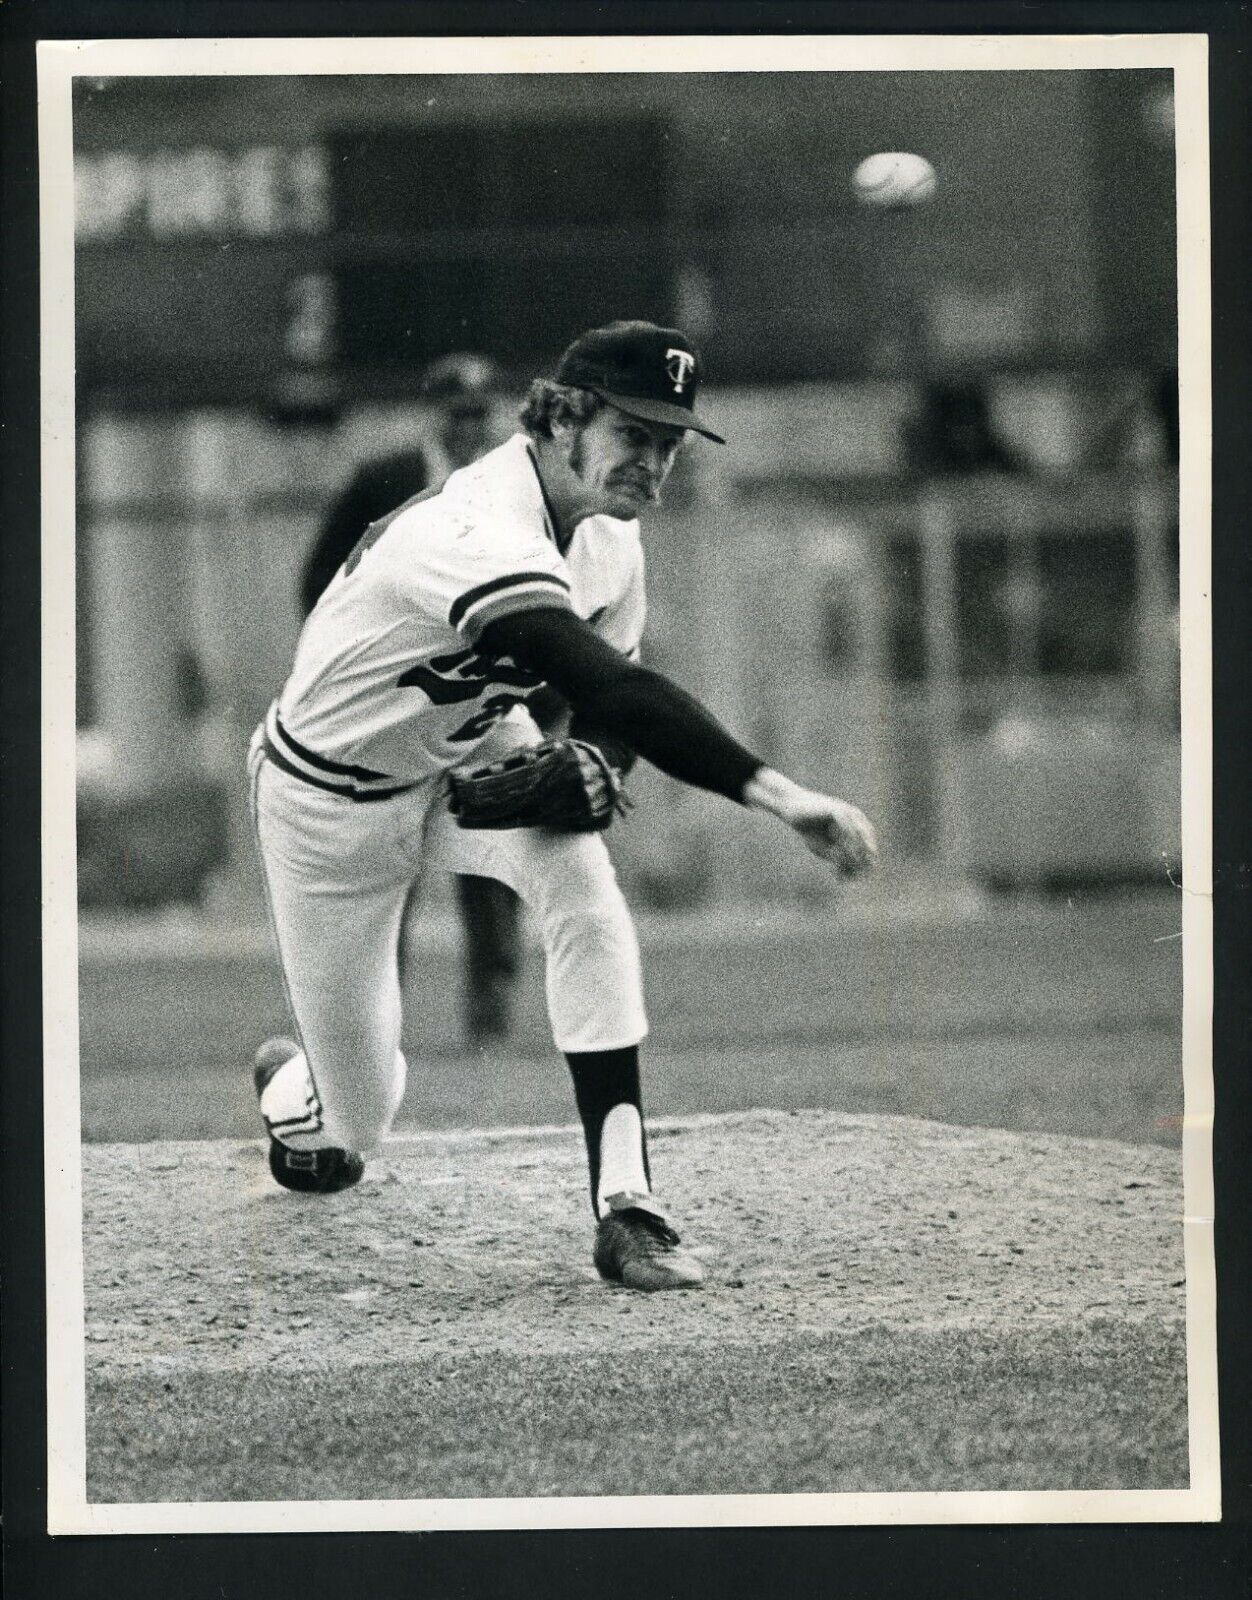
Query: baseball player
point(526, 568)
point(464, 388)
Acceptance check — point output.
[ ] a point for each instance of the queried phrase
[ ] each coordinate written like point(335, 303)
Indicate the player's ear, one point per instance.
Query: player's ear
point(563, 423)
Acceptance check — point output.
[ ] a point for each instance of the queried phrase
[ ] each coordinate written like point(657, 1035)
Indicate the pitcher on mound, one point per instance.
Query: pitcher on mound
point(524, 570)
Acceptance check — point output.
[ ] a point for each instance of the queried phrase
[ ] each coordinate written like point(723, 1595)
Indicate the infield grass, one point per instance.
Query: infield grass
point(882, 1409)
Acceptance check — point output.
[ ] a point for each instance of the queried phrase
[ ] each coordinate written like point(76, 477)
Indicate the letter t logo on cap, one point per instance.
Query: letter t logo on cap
point(679, 364)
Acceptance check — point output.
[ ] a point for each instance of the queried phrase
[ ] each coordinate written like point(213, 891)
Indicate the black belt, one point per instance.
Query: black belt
point(335, 777)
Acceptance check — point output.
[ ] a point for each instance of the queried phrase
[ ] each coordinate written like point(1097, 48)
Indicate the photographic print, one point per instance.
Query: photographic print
point(626, 746)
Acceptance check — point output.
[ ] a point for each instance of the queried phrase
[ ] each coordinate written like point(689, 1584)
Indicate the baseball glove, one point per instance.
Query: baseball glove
point(563, 784)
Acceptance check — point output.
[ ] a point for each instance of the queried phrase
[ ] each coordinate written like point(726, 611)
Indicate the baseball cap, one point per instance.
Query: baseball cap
point(461, 381)
point(642, 369)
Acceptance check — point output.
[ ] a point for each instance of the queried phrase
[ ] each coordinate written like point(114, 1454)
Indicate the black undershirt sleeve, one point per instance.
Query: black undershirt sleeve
point(633, 704)
point(616, 751)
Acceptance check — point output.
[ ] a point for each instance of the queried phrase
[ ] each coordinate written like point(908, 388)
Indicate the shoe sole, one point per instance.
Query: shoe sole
point(652, 1281)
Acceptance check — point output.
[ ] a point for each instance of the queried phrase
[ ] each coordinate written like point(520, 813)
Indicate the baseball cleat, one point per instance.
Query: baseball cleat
point(638, 1249)
point(314, 1171)
point(305, 1171)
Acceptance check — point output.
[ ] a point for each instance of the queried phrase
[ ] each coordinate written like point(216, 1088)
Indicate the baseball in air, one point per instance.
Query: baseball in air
point(894, 179)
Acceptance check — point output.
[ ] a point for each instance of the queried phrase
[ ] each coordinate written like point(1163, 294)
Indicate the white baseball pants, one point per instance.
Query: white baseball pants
point(337, 874)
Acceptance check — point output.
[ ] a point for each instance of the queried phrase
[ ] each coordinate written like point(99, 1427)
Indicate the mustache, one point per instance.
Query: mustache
point(643, 482)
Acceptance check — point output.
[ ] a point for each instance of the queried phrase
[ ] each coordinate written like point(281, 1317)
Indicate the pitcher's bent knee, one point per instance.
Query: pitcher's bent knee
point(594, 977)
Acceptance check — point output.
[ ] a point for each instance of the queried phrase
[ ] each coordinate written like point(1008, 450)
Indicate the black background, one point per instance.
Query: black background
point(1201, 1561)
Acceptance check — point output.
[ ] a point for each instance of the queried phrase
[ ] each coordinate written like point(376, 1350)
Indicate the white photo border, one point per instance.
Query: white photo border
point(59, 63)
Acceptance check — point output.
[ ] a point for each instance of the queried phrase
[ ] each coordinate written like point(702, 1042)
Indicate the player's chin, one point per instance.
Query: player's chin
point(628, 500)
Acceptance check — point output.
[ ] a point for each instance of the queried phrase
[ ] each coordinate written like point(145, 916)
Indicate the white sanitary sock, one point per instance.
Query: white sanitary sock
point(290, 1107)
point(621, 1155)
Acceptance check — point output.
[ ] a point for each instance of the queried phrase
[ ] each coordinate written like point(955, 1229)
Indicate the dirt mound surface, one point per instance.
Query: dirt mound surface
point(459, 1271)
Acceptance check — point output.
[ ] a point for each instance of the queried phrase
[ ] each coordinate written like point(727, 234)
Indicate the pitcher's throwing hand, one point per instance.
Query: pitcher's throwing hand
point(832, 829)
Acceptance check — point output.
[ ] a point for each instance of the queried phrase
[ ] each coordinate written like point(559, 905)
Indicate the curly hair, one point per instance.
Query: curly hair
point(548, 401)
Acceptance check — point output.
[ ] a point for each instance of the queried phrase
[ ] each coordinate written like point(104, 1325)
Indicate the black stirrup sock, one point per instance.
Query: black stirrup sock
point(604, 1079)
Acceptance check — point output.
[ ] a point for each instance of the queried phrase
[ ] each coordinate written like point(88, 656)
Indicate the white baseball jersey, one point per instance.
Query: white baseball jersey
point(388, 687)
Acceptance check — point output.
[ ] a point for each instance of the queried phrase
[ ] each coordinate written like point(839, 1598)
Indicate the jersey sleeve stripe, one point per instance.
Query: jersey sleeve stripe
point(472, 598)
point(508, 605)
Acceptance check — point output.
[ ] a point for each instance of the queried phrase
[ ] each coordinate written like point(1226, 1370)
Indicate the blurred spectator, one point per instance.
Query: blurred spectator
point(374, 489)
point(954, 433)
point(465, 391)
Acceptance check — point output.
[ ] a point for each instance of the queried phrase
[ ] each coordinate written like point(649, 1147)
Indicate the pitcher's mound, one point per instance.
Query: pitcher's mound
point(890, 1304)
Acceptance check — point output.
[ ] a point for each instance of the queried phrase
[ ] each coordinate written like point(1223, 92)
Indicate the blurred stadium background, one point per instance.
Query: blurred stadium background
point(936, 569)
